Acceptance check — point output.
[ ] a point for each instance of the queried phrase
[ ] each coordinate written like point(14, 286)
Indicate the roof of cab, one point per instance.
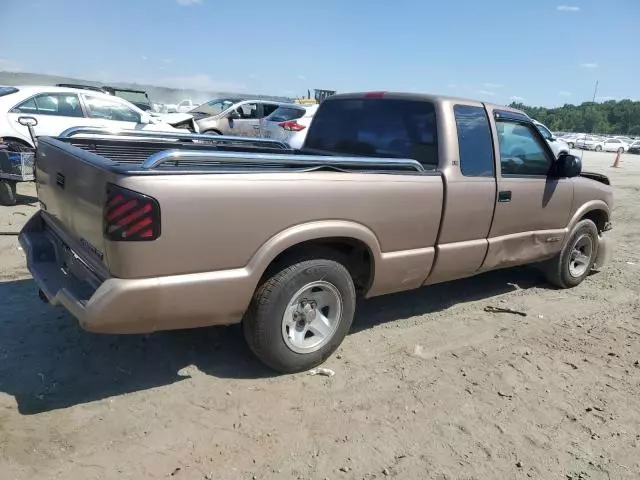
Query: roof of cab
point(435, 98)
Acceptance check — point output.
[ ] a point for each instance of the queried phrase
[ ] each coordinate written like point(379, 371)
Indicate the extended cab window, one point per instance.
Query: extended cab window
point(522, 152)
point(376, 127)
point(474, 141)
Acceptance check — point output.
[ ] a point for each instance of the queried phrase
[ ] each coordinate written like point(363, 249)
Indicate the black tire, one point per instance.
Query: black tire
point(571, 145)
point(598, 148)
point(212, 132)
point(621, 150)
point(17, 146)
point(263, 322)
point(7, 193)
point(557, 270)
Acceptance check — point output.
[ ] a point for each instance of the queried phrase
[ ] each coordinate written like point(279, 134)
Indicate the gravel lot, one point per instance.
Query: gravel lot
point(427, 385)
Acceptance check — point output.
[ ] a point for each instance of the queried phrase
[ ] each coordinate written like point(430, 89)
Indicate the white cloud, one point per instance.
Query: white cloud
point(144, 58)
point(589, 65)
point(492, 85)
point(201, 81)
point(187, 3)
point(567, 8)
point(486, 92)
point(452, 85)
point(564, 93)
point(515, 98)
point(604, 99)
point(9, 65)
point(301, 77)
point(167, 60)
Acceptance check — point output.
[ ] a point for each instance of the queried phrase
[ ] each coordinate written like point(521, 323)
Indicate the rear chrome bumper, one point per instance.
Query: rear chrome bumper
point(116, 305)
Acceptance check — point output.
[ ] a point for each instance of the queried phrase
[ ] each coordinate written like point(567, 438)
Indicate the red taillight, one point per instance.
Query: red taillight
point(130, 216)
point(292, 126)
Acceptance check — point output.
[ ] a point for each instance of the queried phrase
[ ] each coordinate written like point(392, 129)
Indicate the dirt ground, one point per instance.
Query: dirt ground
point(427, 384)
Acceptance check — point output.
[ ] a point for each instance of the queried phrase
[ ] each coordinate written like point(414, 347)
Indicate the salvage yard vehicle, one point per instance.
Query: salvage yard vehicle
point(59, 108)
point(558, 145)
point(233, 116)
point(290, 124)
point(390, 192)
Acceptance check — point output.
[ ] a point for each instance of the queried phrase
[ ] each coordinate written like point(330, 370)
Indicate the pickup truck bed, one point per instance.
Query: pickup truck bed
point(141, 232)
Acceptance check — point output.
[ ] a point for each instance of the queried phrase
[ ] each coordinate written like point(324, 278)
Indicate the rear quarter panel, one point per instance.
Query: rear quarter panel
point(230, 221)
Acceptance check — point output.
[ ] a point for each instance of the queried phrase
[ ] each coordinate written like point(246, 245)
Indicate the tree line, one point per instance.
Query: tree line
point(616, 117)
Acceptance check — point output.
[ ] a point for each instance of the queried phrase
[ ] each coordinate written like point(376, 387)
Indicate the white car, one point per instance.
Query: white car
point(588, 142)
point(557, 145)
point(611, 145)
point(59, 108)
point(289, 123)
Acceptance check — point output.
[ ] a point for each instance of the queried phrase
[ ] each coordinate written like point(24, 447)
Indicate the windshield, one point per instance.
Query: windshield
point(216, 106)
point(139, 99)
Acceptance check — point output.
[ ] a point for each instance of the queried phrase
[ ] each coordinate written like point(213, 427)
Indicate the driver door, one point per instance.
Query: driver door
point(247, 121)
point(533, 207)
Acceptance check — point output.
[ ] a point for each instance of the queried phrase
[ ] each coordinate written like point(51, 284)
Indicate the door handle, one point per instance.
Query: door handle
point(504, 196)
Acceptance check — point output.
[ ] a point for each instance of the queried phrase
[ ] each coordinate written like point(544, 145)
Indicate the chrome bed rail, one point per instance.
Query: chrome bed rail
point(174, 156)
point(213, 156)
point(117, 134)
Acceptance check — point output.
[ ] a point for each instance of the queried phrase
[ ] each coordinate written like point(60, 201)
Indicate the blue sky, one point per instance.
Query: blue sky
point(544, 52)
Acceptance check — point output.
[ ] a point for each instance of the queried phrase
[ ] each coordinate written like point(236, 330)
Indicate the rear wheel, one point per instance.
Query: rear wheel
point(7, 193)
point(621, 150)
point(576, 259)
point(598, 148)
point(300, 314)
point(571, 145)
point(18, 146)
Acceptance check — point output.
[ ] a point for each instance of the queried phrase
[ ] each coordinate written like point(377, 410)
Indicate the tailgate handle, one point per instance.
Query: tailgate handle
point(60, 180)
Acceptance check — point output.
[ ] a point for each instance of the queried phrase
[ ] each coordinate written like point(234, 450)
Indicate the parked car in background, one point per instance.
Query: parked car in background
point(626, 140)
point(587, 142)
point(58, 108)
point(289, 123)
point(558, 145)
point(233, 116)
point(141, 99)
point(634, 147)
point(610, 145)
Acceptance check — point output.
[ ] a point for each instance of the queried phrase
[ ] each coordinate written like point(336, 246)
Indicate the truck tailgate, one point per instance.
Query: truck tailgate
point(72, 194)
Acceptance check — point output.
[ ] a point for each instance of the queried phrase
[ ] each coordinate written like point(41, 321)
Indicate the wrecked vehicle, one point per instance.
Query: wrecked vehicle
point(390, 192)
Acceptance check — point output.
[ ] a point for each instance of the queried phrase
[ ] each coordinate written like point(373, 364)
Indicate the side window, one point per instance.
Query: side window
point(107, 109)
point(56, 104)
point(268, 109)
point(474, 141)
point(28, 106)
point(248, 111)
point(521, 150)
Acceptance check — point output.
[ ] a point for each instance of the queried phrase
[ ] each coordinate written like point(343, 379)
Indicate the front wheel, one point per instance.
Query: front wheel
point(299, 316)
point(571, 145)
point(575, 261)
point(621, 150)
point(598, 148)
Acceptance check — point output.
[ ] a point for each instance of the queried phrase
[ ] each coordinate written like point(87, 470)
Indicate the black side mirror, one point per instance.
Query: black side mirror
point(233, 115)
point(568, 166)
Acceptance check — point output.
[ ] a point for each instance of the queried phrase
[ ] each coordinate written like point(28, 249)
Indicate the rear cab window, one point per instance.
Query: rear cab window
point(376, 127)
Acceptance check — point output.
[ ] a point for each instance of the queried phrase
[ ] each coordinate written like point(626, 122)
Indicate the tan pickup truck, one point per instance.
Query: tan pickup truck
point(140, 232)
